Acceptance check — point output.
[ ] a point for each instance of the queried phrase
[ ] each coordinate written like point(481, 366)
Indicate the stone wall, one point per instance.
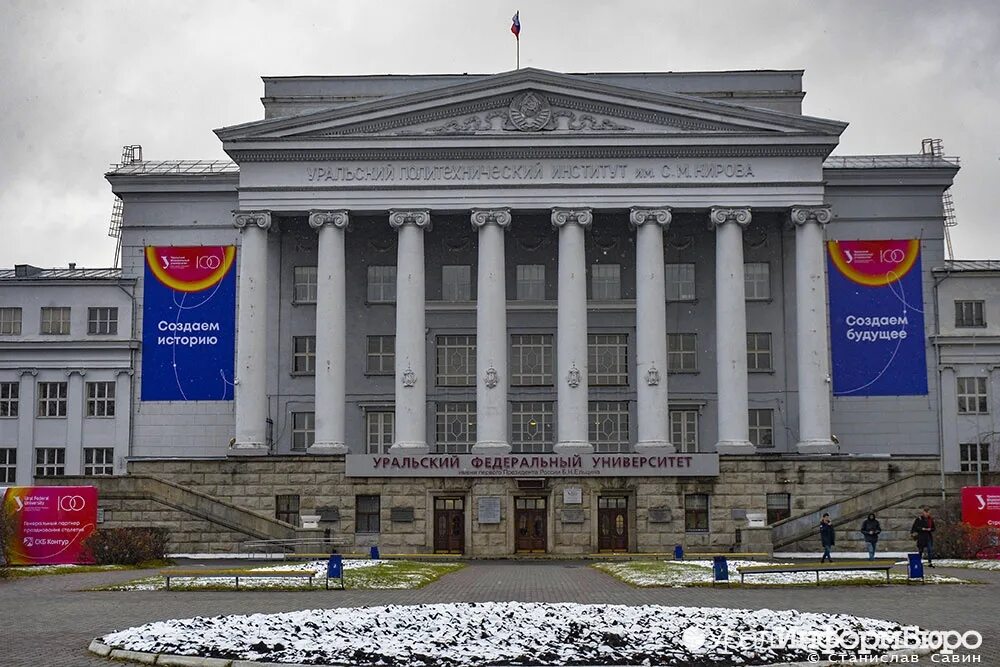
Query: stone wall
point(187, 534)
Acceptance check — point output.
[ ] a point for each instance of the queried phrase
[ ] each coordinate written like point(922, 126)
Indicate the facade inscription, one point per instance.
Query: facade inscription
point(532, 465)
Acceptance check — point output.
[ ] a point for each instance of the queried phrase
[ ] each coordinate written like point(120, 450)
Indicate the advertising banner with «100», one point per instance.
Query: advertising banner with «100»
point(48, 524)
point(533, 465)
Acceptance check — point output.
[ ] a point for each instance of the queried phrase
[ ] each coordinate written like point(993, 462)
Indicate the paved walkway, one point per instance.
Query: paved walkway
point(48, 621)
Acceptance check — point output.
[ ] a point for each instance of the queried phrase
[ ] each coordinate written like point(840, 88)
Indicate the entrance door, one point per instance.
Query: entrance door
point(530, 524)
point(612, 523)
point(449, 525)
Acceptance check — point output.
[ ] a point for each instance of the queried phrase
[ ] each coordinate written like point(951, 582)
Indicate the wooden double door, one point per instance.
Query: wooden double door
point(449, 525)
point(612, 523)
point(530, 525)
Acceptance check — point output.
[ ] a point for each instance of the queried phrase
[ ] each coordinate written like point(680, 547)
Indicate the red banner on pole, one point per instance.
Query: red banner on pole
point(50, 523)
point(981, 505)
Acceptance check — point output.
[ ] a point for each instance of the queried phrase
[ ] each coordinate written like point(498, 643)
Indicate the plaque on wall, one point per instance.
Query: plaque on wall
point(329, 514)
point(572, 495)
point(659, 515)
point(573, 515)
point(401, 515)
point(489, 509)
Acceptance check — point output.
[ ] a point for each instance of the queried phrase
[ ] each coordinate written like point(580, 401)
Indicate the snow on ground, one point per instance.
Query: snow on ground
point(505, 633)
point(968, 564)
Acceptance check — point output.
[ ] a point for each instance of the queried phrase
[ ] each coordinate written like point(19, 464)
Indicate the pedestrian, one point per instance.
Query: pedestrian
point(826, 537)
point(923, 532)
point(870, 529)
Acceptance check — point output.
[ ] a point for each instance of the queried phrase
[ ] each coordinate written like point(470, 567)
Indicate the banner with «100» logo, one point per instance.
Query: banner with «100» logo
point(48, 524)
point(189, 323)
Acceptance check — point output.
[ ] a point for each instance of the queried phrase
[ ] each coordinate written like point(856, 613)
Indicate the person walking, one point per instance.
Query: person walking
point(826, 537)
point(923, 532)
point(870, 529)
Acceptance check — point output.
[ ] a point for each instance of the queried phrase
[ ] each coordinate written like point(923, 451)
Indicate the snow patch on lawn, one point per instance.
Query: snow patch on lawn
point(968, 564)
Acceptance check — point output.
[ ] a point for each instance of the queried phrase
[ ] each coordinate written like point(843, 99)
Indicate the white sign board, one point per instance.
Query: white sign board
point(572, 495)
point(489, 509)
point(533, 465)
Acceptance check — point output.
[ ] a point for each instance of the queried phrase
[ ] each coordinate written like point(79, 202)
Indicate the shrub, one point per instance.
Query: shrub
point(127, 546)
point(960, 540)
point(6, 533)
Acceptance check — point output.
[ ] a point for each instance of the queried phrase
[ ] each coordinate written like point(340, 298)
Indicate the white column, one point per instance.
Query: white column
point(411, 350)
point(811, 330)
point(650, 330)
point(27, 409)
point(491, 332)
point(76, 399)
point(572, 412)
point(123, 417)
point(731, 330)
point(331, 332)
point(251, 335)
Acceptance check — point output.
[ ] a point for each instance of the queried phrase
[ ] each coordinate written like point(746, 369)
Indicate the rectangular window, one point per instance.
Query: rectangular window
point(762, 428)
point(970, 314)
point(609, 426)
point(52, 399)
point(607, 358)
point(286, 508)
point(779, 507)
point(381, 353)
point(303, 430)
point(696, 513)
point(531, 426)
point(381, 284)
point(304, 284)
point(55, 321)
point(682, 352)
point(8, 466)
point(99, 461)
point(531, 360)
point(456, 361)
point(379, 430)
point(684, 430)
point(9, 398)
point(456, 283)
point(50, 462)
point(757, 280)
point(102, 321)
point(366, 514)
point(974, 457)
point(100, 399)
point(530, 282)
point(10, 321)
point(304, 354)
point(972, 397)
point(605, 282)
point(456, 427)
point(759, 352)
point(680, 282)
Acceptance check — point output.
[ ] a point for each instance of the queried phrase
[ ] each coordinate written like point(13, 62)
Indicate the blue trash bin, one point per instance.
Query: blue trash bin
point(678, 552)
point(373, 553)
point(720, 569)
point(915, 568)
point(335, 569)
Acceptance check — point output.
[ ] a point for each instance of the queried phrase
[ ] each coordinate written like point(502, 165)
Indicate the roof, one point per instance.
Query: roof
point(28, 272)
point(175, 167)
point(914, 161)
point(969, 265)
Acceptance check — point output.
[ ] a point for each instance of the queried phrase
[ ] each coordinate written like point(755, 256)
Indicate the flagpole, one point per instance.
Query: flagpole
point(518, 52)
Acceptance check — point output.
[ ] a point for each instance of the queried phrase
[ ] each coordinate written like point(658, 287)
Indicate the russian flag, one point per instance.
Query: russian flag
point(516, 25)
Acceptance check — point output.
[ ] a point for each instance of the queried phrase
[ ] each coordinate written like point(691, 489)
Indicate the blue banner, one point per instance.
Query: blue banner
point(189, 323)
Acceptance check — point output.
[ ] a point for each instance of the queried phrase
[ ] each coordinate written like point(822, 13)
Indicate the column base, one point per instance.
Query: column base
point(654, 447)
point(491, 447)
point(248, 449)
point(817, 446)
point(327, 448)
point(409, 448)
point(735, 447)
point(573, 447)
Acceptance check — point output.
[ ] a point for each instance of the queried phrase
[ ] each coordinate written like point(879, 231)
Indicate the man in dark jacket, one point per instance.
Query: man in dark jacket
point(870, 529)
point(826, 537)
point(923, 532)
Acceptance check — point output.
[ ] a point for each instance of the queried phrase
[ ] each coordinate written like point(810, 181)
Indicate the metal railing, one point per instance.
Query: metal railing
point(287, 546)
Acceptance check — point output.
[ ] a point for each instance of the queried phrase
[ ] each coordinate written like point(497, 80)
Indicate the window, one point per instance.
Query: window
point(381, 355)
point(102, 321)
point(530, 282)
point(607, 359)
point(286, 508)
point(366, 514)
point(55, 321)
point(972, 399)
point(758, 352)
point(8, 466)
point(456, 427)
point(303, 430)
point(99, 461)
point(51, 399)
point(762, 428)
point(382, 284)
point(684, 430)
point(757, 280)
point(531, 360)
point(50, 462)
point(609, 426)
point(696, 513)
point(605, 282)
point(100, 399)
point(10, 321)
point(974, 457)
point(682, 352)
point(304, 354)
point(456, 361)
point(680, 282)
point(456, 283)
point(779, 507)
point(9, 401)
point(531, 426)
point(380, 431)
point(304, 284)
point(970, 314)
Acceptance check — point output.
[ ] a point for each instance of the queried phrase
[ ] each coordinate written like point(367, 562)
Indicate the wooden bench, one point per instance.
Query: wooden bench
point(709, 555)
point(845, 566)
point(234, 574)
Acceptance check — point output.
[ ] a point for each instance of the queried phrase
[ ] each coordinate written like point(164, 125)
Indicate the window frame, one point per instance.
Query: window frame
point(460, 285)
point(756, 429)
point(974, 401)
point(976, 320)
point(102, 321)
point(526, 286)
point(696, 517)
point(305, 284)
point(307, 356)
point(979, 463)
point(677, 438)
point(60, 400)
point(287, 508)
point(101, 406)
point(58, 465)
point(304, 429)
point(521, 410)
point(11, 321)
point(606, 287)
point(10, 400)
point(618, 373)
point(105, 467)
point(48, 321)
point(777, 512)
point(756, 281)
point(367, 519)
point(682, 354)
point(381, 283)
point(384, 421)
point(755, 353)
point(381, 355)
point(679, 281)
point(443, 411)
point(546, 360)
point(597, 411)
point(8, 465)
point(464, 345)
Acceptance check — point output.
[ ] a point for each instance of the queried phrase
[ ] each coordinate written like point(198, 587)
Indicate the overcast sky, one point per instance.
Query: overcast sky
point(81, 79)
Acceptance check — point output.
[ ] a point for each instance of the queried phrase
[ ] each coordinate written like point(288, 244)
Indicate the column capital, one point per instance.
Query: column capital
point(563, 216)
point(486, 216)
point(660, 216)
point(243, 219)
point(33, 372)
point(75, 371)
point(123, 371)
point(340, 219)
point(720, 215)
point(801, 215)
point(420, 218)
